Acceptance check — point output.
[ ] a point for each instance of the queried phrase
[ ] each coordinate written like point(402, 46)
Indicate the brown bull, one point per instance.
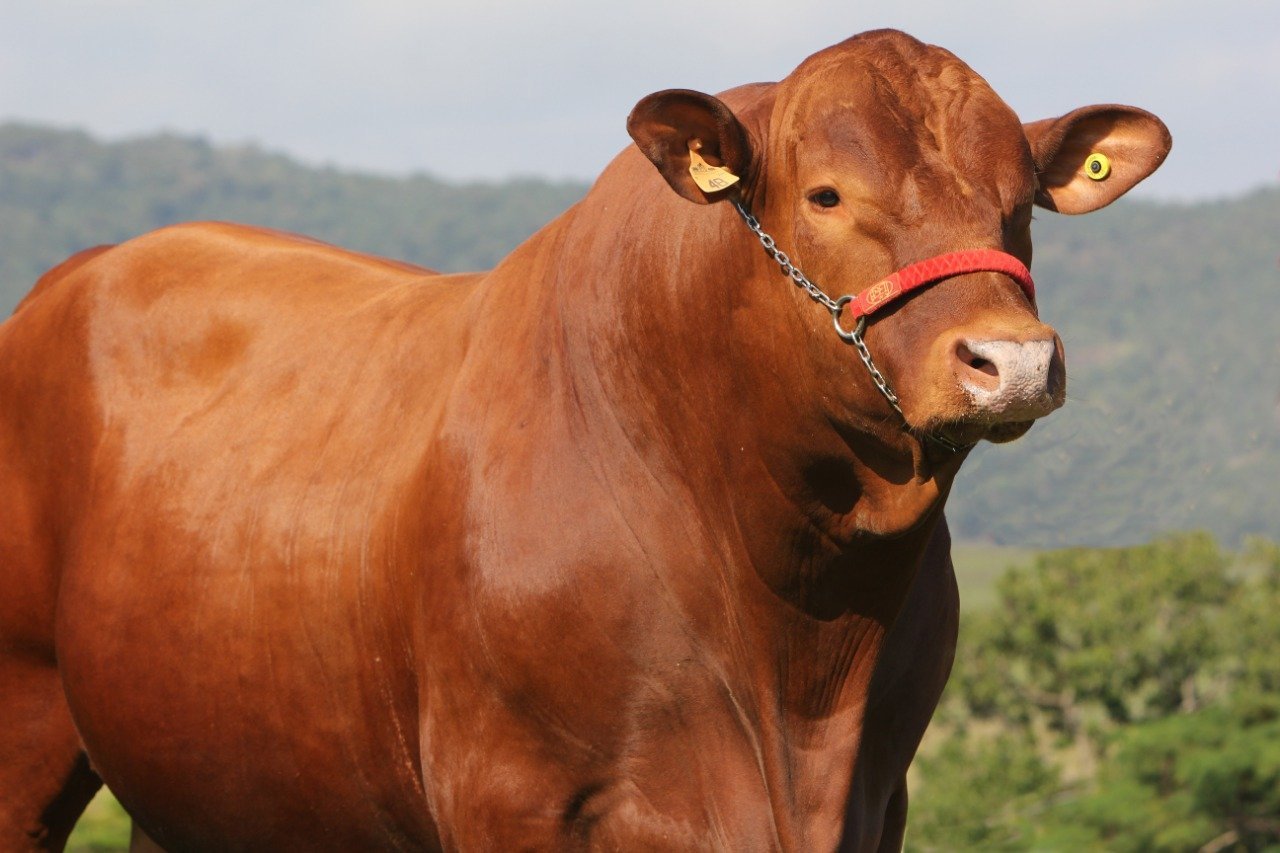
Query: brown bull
point(616, 546)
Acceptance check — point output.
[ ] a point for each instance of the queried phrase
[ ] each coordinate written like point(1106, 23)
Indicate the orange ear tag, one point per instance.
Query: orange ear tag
point(709, 178)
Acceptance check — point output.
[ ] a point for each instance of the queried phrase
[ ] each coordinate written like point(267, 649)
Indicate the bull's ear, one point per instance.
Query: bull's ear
point(668, 125)
point(1091, 156)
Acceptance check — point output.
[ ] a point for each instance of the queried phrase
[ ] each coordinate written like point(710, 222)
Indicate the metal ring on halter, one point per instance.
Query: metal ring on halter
point(856, 334)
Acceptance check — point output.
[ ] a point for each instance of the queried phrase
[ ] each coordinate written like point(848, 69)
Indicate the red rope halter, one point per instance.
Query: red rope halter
point(936, 269)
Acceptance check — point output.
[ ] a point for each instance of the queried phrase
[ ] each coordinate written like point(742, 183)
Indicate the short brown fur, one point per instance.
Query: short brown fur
point(615, 546)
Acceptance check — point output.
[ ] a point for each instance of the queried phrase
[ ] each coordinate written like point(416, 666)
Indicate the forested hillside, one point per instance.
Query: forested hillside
point(1171, 316)
point(61, 191)
point(1171, 319)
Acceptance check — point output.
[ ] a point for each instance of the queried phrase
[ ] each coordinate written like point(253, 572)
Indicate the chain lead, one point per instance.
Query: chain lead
point(855, 338)
point(835, 306)
point(789, 269)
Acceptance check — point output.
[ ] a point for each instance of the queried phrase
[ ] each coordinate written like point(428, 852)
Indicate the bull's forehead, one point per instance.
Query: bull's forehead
point(901, 116)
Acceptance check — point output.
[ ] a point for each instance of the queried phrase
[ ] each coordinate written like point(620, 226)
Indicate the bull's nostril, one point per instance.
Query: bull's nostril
point(984, 366)
point(976, 362)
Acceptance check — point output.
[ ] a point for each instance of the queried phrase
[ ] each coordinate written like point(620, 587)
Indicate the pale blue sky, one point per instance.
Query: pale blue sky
point(488, 89)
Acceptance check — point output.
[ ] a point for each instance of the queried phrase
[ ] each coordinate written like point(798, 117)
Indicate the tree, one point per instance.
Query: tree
point(1087, 639)
point(1118, 699)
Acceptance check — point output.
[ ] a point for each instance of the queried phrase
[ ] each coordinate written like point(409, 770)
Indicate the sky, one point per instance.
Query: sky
point(487, 90)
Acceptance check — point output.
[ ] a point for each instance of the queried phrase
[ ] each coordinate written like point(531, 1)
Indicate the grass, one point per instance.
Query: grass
point(103, 828)
point(979, 566)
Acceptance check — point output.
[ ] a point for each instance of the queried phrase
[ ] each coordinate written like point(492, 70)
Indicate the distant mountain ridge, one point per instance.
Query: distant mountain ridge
point(1171, 319)
point(61, 191)
point(1170, 314)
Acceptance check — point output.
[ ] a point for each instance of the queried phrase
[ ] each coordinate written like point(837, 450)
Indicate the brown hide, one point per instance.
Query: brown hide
point(615, 546)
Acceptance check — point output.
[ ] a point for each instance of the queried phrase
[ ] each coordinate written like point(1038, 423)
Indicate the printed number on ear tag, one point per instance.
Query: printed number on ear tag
point(1098, 166)
point(709, 178)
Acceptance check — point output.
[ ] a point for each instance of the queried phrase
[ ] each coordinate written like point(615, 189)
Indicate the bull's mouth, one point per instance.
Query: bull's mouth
point(970, 432)
point(1008, 431)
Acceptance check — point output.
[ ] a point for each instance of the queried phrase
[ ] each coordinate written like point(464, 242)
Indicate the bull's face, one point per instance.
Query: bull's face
point(881, 152)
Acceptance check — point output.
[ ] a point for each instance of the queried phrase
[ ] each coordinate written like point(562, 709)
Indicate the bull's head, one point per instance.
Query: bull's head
point(882, 152)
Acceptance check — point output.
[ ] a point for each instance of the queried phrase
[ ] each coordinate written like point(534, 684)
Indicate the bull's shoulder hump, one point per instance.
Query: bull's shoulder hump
point(248, 238)
point(61, 271)
point(208, 263)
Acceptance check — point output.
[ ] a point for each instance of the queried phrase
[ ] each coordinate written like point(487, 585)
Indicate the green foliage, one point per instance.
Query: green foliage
point(1180, 783)
point(991, 785)
point(1112, 635)
point(1254, 631)
point(103, 828)
point(1122, 699)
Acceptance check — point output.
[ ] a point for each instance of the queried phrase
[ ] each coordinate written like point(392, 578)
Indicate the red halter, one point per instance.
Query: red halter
point(936, 269)
point(880, 294)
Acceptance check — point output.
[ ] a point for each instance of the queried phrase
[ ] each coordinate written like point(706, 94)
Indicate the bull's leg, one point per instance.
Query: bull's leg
point(140, 842)
point(45, 779)
point(895, 820)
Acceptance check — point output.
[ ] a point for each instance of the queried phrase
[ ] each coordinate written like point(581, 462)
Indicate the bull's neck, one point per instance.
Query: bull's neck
point(697, 356)
point(686, 357)
point(680, 360)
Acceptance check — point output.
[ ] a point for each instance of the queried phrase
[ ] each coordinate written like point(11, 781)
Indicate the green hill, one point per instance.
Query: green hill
point(61, 191)
point(1171, 319)
point(1169, 312)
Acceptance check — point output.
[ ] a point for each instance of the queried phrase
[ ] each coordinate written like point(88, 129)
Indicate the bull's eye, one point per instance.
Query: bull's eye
point(825, 198)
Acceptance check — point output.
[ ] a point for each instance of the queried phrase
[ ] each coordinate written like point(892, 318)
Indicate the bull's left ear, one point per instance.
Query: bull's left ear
point(1091, 156)
point(667, 125)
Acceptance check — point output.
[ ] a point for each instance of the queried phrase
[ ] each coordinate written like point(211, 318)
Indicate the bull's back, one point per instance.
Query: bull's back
point(213, 433)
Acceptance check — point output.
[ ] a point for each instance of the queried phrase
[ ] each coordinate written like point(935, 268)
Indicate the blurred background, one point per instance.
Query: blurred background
point(1118, 675)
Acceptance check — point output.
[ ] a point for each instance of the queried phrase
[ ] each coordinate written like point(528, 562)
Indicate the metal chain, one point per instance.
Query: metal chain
point(835, 306)
point(856, 338)
point(789, 269)
point(817, 294)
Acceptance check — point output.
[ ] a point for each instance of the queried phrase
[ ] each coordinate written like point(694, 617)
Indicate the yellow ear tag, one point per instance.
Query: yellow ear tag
point(1098, 166)
point(709, 178)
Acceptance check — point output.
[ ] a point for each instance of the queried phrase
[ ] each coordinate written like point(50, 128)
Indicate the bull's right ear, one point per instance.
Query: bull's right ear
point(1091, 156)
point(668, 125)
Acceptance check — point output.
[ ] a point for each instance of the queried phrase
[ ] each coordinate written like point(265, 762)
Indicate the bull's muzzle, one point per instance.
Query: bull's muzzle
point(1011, 380)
